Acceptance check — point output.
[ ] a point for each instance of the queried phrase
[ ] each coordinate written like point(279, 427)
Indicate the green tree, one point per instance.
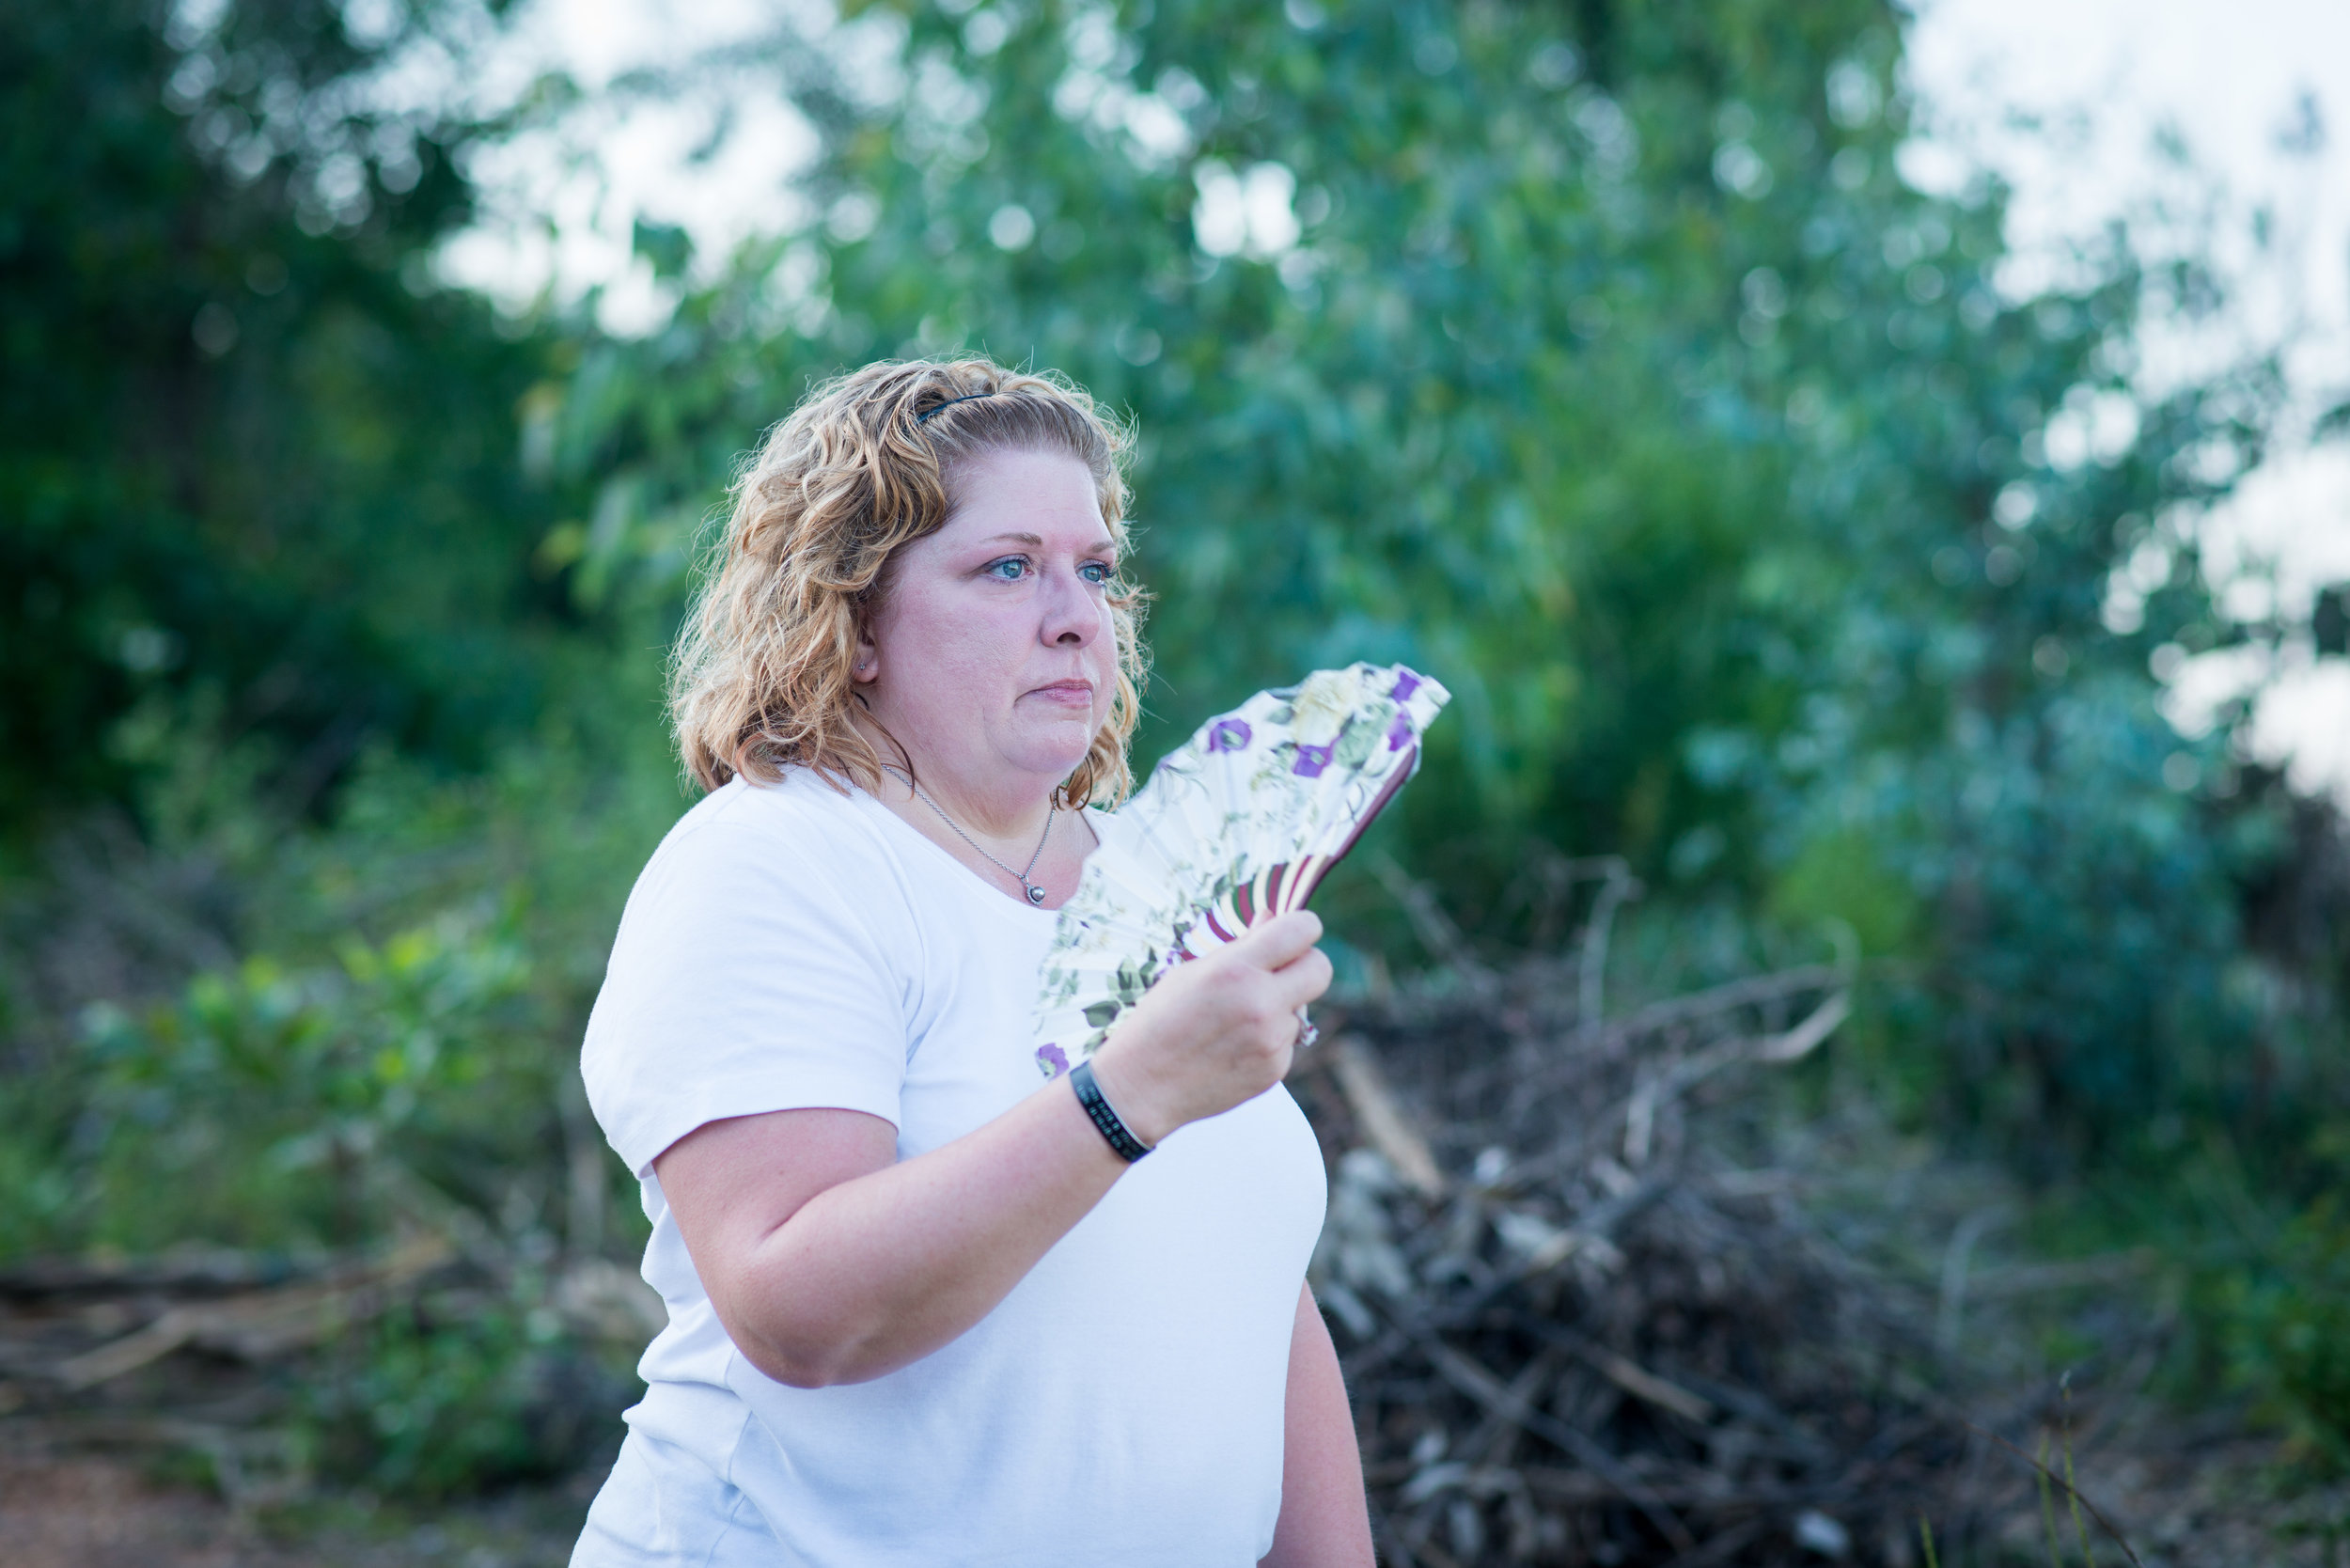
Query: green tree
point(247, 448)
point(1601, 361)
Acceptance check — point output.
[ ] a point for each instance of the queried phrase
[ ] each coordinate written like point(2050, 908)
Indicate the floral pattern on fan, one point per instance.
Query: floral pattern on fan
point(1238, 824)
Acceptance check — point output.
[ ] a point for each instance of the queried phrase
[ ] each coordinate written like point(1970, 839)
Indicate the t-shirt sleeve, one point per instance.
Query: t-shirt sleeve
point(743, 981)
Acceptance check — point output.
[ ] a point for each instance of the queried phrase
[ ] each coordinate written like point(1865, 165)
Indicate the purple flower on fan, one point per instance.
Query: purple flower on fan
point(1228, 735)
point(1405, 684)
point(1053, 1059)
point(1311, 759)
point(1399, 733)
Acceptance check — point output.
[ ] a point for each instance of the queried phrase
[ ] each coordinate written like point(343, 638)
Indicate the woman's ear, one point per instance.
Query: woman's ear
point(867, 664)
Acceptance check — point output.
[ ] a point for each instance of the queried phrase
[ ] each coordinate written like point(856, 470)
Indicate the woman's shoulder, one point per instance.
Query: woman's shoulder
point(798, 823)
point(799, 800)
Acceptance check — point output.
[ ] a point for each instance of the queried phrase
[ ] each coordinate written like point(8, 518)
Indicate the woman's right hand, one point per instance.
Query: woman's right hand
point(1216, 1031)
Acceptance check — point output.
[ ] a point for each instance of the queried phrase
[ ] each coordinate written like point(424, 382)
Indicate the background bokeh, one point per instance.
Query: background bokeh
point(1783, 522)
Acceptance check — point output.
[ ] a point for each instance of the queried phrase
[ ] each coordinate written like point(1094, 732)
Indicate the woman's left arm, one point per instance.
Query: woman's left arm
point(1324, 1522)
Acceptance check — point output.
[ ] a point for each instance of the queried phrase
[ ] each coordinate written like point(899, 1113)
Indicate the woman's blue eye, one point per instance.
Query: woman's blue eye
point(1009, 569)
point(1094, 572)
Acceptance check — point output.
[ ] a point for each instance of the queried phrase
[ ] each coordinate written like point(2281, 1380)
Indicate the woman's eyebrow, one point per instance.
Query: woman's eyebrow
point(1105, 543)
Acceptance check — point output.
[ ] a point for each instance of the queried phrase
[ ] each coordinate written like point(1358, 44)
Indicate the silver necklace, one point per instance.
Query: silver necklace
point(1052, 808)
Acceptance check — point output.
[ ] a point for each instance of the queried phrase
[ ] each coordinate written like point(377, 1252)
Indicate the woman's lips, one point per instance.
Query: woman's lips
point(1074, 693)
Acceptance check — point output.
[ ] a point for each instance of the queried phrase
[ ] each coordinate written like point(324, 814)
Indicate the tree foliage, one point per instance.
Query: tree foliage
point(246, 447)
point(1602, 360)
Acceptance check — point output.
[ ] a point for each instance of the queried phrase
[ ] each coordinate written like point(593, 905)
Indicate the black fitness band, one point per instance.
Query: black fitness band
point(1129, 1147)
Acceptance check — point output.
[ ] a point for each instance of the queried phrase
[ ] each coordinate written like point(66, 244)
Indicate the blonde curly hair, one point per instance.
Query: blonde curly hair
point(865, 465)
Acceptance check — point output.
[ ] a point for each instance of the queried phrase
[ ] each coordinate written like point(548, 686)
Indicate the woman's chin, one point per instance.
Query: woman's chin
point(1052, 752)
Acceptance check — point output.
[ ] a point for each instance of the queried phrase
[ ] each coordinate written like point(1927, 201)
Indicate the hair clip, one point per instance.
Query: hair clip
point(950, 402)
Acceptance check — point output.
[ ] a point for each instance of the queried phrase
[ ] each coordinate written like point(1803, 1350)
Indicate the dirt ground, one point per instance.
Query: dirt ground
point(100, 1511)
point(97, 1511)
point(2228, 1503)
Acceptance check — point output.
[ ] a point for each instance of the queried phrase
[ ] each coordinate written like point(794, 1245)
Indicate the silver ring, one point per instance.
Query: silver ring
point(1307, 1031)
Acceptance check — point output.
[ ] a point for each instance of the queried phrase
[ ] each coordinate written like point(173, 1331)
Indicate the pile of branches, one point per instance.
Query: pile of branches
point(1576, 1330)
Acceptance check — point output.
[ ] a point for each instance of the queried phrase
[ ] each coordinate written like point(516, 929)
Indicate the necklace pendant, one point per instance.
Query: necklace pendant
point(1036, 894)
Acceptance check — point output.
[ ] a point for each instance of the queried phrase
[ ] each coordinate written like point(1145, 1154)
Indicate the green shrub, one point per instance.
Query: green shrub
point(456, 1394)
point(270, 1106)
point(2299, 1329)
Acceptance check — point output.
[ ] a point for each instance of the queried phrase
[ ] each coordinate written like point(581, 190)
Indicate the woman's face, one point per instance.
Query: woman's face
point(993, 658)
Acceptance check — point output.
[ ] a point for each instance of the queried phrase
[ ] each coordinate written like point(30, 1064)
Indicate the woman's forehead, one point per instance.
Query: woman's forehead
point(1032, 499)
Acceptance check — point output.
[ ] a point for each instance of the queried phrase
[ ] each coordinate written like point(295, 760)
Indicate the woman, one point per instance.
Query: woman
point(922, 1311)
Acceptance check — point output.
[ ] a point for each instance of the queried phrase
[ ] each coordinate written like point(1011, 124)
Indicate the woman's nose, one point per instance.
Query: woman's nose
point(1072, 617)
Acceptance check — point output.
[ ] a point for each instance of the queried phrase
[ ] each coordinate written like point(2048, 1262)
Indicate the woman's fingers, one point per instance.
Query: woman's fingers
point(1275, 968)
point(1213, 1033)
point(1303, 978)
point(1280, 941)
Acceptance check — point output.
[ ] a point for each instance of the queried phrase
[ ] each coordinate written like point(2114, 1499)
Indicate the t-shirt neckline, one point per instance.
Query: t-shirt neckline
point(874, 804)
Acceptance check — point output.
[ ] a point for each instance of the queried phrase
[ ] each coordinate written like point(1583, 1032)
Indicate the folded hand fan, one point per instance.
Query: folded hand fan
point(1238, 824)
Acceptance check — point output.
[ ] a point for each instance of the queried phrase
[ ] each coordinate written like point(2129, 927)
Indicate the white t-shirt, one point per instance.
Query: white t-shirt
point(788, 946)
